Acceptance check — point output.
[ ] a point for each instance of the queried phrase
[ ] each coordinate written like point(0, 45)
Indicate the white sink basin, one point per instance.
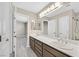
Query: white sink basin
point(66, 48)
point(53, 41)
point(58, 43)
point(63, 45)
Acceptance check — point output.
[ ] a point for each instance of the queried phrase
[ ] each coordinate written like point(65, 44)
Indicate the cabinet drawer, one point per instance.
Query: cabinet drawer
point(47, 54)
point(53, 51)
point(32, 43)
point(38, 42)
point(39, 47)
point(31, 38)
point(38, 52)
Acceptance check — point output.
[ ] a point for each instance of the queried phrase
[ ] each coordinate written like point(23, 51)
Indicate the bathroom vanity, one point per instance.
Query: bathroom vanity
point(44, 50)
point(62, 29)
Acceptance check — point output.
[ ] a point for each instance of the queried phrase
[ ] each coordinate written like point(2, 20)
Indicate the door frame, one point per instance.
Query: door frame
point(13, 39)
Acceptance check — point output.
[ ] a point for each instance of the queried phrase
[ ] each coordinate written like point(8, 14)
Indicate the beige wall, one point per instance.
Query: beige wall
point(71, 14)
point(31, 16)
point(20, 28)
point(77, 27)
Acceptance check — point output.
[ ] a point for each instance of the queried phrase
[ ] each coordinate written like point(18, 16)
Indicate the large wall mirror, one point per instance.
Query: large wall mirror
point(64, 27)
point(52, 28)
point(77, 29)
point(45, 27)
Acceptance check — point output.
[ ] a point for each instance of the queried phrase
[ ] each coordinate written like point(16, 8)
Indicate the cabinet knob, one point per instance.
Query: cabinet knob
point(7, 39)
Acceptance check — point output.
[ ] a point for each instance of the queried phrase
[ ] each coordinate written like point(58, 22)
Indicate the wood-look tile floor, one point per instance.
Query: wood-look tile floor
point(22, 50)
point(26, 52)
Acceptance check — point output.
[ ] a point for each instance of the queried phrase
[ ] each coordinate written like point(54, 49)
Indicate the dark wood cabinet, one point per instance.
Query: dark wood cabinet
point(47, 52)
point(38, 48)
point(52, 52)
point(32, 40)
point(43, 50)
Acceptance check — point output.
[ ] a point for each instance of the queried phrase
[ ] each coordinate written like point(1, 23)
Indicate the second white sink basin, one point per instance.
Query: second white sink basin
point(66, 48)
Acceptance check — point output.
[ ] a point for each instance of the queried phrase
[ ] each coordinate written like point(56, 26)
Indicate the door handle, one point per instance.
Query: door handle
point(0, 38)
point(14, 36)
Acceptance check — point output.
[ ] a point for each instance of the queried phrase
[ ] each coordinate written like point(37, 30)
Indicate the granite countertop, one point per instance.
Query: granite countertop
point(68, 48)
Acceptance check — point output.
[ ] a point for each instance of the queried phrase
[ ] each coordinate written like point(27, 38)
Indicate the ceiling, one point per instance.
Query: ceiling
point(21, 17)
point(34, 7)
point(73, 5)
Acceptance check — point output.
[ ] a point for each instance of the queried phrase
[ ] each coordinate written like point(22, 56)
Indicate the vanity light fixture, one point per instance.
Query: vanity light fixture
point(57, 4)
point(52, 7)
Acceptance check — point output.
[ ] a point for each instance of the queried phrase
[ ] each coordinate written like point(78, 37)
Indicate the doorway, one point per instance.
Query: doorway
point(20, 38)
point(45, 27)
point(20, 27)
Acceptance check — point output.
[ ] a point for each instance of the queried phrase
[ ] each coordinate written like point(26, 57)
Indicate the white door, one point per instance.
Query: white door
point(14, 37)
point(5, 30)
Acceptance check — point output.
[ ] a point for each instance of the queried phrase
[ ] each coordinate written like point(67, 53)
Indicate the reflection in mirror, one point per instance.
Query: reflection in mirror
point(45, 27)
point(77, 30)
point(64, 27)
point(52, 24)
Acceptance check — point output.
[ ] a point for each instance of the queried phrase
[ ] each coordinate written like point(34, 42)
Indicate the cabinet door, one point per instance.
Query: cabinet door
point(51, 52)
point(38, 48)
point(64, 27)
point(47, 51)
point(32, 43)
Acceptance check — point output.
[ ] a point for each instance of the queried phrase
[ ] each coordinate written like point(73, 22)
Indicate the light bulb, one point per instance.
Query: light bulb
point(52, 7)
point(57, 4)
point(33, 21)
